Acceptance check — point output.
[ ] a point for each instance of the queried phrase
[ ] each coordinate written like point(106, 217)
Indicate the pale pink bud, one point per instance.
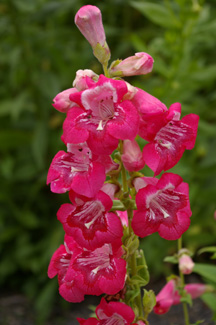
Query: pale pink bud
point(89, 21)
point(140, 63)
point(80, 82)
point(132, 156)
point(186, 264)
point(62, 102)
point(215, 215)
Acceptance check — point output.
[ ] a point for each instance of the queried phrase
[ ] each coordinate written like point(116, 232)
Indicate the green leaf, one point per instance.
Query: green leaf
point(210, 298)
point(171, 259)
point(206, 270)
point(157, 13)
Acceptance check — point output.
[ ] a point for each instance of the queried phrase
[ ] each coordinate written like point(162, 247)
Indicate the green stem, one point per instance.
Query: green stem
point(185, 309)
point(106, 72)
point(133, 261)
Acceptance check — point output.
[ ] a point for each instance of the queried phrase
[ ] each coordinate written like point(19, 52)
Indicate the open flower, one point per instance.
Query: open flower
point(88, 272)
point(113, 313)
point(76, 170)
point(101, 117)
point(162, 206)
point(170, 138)
point(89, 221)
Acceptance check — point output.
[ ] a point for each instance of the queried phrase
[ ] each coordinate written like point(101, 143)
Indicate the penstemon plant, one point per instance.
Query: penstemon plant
point(112, 202)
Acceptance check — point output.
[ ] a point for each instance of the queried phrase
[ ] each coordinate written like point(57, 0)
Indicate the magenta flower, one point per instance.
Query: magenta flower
point(59, 265)
point(112, 313)
point(132, 156)
point(171, 139)
point(89, 221)
point(169, 295)
point(162, 206)
point(88, 272)
point(75, 170)
point(102, 117)
point(140, 63)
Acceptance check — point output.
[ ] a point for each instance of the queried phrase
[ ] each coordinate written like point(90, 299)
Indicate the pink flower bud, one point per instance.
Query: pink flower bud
point(186, 264)
point(140, 63)
point(62, 102)
point(215, 215)
point(89, 21)
point(132, 156)
point(197, 289)
point(80, 82)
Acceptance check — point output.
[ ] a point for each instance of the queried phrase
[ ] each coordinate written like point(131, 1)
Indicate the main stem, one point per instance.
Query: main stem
point(138, 299)
point(185, 309)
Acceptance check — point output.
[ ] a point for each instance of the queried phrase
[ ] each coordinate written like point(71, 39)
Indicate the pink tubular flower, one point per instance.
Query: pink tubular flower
point(89, 221)
point(171, 139)
point(62, 102)
point(132, 156)
point(88, 272)
point(140, 63)
point(59, 265)
point(76, 170)
point(165, 298)
point(102, 117)
point(89, 21)
point(169, 295)
point(113, 313)
point(162, 206)
point(186, 264)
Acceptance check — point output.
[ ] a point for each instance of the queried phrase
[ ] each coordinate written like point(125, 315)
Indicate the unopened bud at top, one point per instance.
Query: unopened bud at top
point(140, 63)
point(89, 21)
point(186, 264)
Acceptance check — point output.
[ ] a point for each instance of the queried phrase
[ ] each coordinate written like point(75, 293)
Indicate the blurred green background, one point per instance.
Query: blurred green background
point(40, 51)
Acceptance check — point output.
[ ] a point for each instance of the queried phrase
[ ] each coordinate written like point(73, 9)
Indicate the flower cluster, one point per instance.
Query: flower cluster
point(105, 114)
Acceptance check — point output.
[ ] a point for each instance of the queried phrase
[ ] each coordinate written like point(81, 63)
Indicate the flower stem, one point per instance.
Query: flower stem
point(133, 261)
point(185, 309)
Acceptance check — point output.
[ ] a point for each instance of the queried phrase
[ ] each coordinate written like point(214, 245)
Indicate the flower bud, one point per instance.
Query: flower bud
point(80, 82)
point(89, 21)
point(186, 264)
point(132, 156)
point(62, 102)
point(197, 289)
point(140, 63)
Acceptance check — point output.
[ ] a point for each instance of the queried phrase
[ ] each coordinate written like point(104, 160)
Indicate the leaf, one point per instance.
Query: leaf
point(209, 298)
point(206, 270)
point(210, 249)
point(157, 13)
point(171, 259)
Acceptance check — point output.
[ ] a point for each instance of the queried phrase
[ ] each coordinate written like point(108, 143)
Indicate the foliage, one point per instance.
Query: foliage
point(41, 49)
